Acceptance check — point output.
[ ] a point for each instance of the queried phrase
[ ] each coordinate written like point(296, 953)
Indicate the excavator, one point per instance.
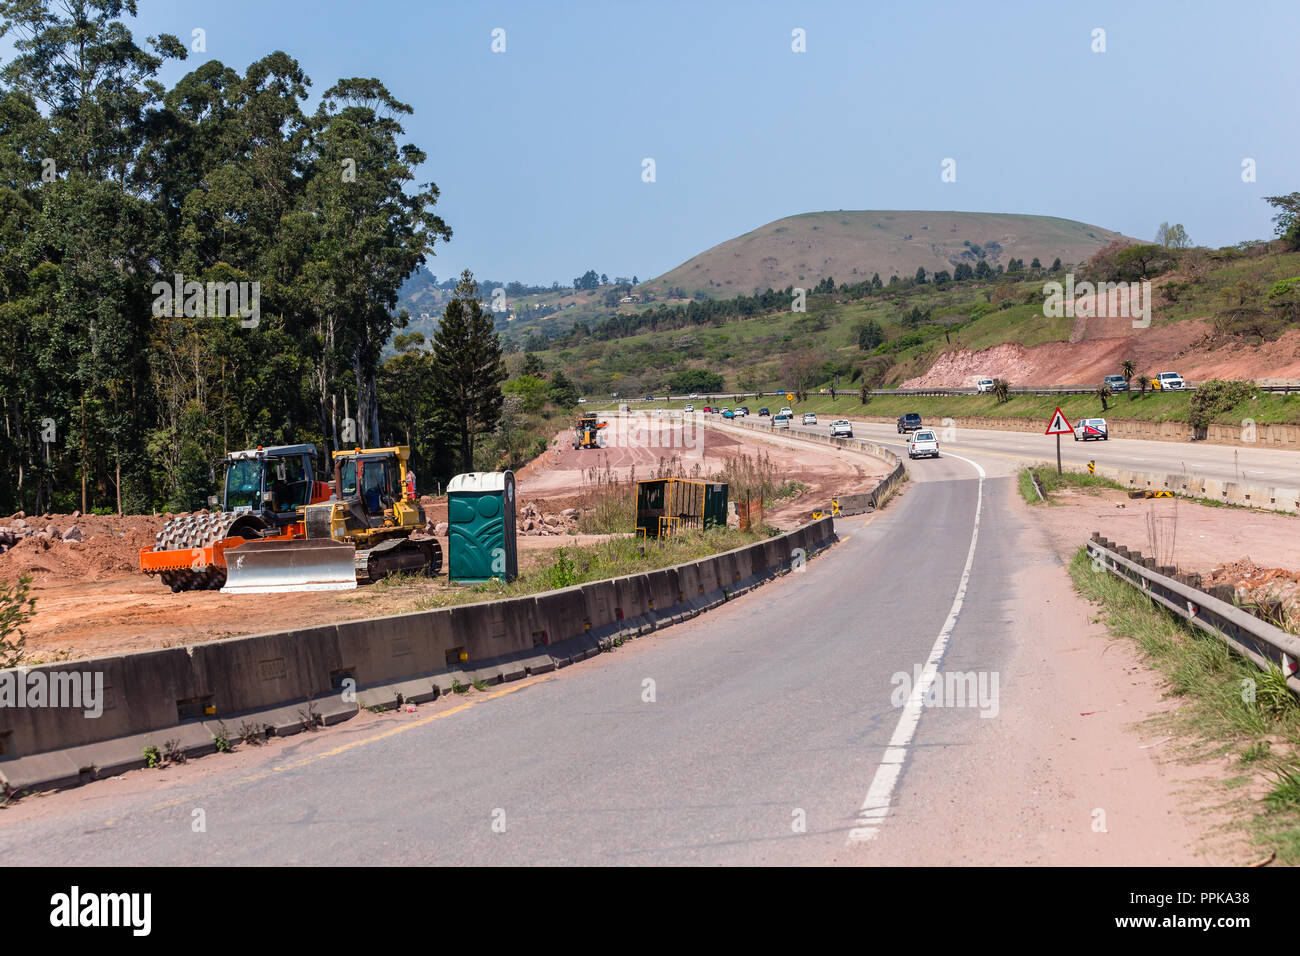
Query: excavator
point(263, 490)
point(362, 534)
point(586, 433)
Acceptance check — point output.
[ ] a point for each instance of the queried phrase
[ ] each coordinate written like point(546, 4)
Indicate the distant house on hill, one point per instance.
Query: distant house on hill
point(630, 298)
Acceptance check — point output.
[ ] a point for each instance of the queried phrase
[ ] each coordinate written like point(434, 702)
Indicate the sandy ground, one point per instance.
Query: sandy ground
point(1196, 537)
point(649, 447)
point(92, 599)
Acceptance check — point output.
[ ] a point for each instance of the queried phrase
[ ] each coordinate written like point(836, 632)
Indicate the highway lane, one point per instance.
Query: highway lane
point(777, 704)
point(1005, 452)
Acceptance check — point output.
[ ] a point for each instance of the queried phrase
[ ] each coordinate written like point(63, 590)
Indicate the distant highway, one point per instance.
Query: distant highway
point(1262, 465)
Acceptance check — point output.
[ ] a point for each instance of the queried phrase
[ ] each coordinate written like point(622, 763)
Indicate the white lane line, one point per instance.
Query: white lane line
point(881, 793)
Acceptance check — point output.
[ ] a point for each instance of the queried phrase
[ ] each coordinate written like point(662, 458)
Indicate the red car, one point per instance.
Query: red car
point(707, 408)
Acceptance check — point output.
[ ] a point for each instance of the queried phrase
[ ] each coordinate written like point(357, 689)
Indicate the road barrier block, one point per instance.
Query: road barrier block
point(599, 599)
point(688, 584)
point(1286, 499)
point(401, 647)
point(633, 603)
point(567, 615)
point(133, 693)
point(776, 555)
point(709, 575)
point(490, 632)
point(1214, 489)
point(664, 591)
point(268, 670)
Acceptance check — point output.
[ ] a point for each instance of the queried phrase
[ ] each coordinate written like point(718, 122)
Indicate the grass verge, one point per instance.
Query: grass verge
point(1051, 482)
point(1227, 706)
point(611, 558)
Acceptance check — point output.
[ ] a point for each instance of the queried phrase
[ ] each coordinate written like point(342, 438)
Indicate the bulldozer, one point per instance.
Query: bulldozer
point(586, 432)
point(263, 490)
point(360, 535)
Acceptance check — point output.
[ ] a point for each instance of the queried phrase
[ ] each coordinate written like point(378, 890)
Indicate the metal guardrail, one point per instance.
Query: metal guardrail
point(1256, 639)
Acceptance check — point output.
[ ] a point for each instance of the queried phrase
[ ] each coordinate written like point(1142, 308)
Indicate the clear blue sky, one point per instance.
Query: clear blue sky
point(538, 150)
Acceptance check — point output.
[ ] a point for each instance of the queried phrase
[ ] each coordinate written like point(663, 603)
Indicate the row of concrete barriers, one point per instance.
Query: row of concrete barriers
point(182, 698)
point(1211, 489)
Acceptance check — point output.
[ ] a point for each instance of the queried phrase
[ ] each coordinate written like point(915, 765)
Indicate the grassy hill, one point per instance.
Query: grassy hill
point(851, 245)
point(766, 351)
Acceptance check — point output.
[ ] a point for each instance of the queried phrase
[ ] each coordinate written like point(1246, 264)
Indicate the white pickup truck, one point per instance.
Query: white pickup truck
point(923, 444)
point(842, 429)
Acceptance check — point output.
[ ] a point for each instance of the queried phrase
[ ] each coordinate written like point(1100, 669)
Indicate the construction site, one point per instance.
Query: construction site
point(107, 584)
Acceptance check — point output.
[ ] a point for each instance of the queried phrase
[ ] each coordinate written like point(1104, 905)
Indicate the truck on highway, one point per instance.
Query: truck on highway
point(909, 423)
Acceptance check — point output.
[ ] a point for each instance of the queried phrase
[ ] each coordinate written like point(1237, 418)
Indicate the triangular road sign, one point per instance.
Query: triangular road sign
point(1058, 425)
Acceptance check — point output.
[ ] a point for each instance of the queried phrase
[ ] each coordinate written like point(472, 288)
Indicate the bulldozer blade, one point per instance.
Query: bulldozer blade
point(267, 567)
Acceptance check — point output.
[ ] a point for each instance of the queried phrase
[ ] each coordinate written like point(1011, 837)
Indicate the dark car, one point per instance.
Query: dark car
point(909, 423)
point(1116, 383)
point(764, 411)
point(743, 408)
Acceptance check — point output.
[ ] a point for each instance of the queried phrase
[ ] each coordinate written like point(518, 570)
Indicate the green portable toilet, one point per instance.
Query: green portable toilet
point(481, 527)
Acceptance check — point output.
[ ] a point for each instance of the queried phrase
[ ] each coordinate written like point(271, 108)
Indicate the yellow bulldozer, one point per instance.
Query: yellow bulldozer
point(361, 534)
point(586, 432)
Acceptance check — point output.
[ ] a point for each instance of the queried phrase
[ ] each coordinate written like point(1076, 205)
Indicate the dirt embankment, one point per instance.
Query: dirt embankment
point(1258, 553)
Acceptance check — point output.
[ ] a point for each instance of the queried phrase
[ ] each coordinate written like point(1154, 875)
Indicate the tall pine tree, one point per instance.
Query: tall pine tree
point(469, 369)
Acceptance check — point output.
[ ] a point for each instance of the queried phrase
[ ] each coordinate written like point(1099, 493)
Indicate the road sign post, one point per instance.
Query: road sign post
point(1058, 426)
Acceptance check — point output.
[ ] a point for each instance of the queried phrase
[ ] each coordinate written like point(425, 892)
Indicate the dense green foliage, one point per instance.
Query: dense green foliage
point(133, 217)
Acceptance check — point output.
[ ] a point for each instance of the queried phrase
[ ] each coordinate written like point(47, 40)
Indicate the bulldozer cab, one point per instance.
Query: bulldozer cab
point(373, 480)
point(371, 484)
point(278, 481)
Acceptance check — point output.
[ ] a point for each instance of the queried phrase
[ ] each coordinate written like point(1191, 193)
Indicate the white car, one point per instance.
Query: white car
point(692, 395)
point(582, 401)
point(741, 413)
point(984, 385)
point(923, 444)
point(809, 418)
point(786, 412)
point(842, 429)
point(1169, 380)
point(1090, 429)
point(689, 407)
point(780, 421)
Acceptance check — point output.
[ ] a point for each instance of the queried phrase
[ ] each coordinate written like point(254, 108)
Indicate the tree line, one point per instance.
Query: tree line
point(190, 270)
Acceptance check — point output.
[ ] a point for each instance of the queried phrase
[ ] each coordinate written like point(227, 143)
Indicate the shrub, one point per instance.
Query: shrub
point(1213, 398)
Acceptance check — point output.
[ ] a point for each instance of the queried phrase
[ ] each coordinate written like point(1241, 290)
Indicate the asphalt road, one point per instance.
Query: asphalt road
point(775, 708)
point(1005, 451)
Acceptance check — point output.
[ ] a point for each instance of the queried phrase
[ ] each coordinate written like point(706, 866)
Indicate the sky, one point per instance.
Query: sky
point(538, 150)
